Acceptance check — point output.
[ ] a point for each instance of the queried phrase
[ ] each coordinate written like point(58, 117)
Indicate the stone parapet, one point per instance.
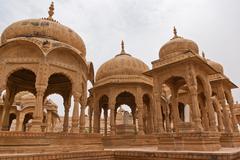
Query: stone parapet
point(230, 139)
point(27, 142)
point(192, 141)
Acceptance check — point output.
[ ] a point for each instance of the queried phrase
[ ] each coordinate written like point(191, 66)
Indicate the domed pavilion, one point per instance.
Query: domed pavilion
point(120, 81)
point(181, 68)
point(44, 57)
point(222, 96)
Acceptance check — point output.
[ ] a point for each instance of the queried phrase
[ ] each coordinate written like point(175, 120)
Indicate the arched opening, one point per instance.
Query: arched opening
point(103, 116)
point(12, 122)
point(17, 81)
point(27, 120)
point(54, 113)
point(181, 108)
point(59, 90)
point(126, 122)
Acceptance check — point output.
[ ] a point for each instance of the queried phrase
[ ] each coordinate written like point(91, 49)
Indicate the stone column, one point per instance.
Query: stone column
point(195, 108)
point(5, 115)
point(211, 114)
point(231, 106)
point(175, 110)
point(49, 121)
point(66, 116)
point(38, 110)
point(96, 116)
point(75, 115)
point(112, 116)
point(82, 118)
point(205, 120)
point(139, 102)
point(19, 122)
point(219, 114)
point(157, 92)
point(134, 119)
point(90, 113)
point(105, 120)
point(222, 101)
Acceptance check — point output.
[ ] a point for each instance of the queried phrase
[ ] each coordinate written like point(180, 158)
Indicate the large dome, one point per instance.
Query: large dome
point(121, 64)
point(217, 66)
point(176, 46)
point(44, 28)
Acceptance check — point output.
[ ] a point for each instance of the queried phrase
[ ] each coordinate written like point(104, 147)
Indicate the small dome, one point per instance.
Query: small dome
point(176, 46)
point(44, 28)
point(121, 64)
point(217, 66)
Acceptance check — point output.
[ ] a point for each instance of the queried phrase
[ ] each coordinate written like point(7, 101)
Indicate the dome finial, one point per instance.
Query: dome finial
point(51, 11)
point(122, 45)
point(175, 31)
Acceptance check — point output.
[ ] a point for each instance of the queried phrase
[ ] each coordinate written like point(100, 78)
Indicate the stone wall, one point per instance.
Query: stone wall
point(126, 155)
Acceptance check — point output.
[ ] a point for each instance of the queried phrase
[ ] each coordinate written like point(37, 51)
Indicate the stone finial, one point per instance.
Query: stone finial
point(203, 55)
point(175, 31)
point(122, 45)
point(51, 11)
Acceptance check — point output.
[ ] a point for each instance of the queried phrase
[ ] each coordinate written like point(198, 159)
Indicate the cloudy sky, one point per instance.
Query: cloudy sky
point(144, 25)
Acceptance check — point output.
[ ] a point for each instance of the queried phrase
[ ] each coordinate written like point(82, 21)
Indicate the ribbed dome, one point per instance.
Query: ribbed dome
point(177, 45)
point(121, 64)
point(44, 28)
point(217, 66)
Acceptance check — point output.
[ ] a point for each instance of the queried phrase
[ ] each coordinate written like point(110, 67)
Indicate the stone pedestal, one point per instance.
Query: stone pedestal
point(192, 141)
point(125, 129)
point(35, 126)
point(230, 139)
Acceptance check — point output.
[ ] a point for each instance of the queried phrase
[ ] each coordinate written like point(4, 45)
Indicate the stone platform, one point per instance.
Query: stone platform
point(130, 154)
point(193, 141)
point(230, 140)
point(27, 142)
point(129, 141)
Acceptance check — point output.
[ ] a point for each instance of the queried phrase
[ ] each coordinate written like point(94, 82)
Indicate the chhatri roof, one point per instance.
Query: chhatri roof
point(44, 28)
point(122, 66)
point(177, 45)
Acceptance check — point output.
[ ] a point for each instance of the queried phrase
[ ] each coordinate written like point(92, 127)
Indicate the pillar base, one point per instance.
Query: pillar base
point(35, 126)
point(74, 130)
point(230, 139)
point(191, 141)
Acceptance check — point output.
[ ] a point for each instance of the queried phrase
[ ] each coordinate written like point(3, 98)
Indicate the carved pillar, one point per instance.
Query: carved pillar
point(211, 114)
point(231, 106)
point(38, 110)
point(90, 114)
point(205, 120)
point(75, 115)
point(112, 115)
point(6, 110)
point(19, 122)
point(175, 109)
point(67, 105)
point(222, 101)
point(82, 116)
point(157, 92)
point(139, 102)
point(195, 108)
point(49, 121)
point(96, 116)
point(134, 118)
point(219, 114)
point(105, 120)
